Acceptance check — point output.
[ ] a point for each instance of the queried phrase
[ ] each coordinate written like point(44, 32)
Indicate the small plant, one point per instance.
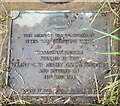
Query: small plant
point(111, 91)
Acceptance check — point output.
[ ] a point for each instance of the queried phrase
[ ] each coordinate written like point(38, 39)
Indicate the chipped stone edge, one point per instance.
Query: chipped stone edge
point(14, 14)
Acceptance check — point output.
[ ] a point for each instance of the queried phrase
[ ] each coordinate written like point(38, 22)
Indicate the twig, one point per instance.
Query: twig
point(97, 89)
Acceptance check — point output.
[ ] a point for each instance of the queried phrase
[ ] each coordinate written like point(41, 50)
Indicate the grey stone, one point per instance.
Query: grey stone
point(52, 54)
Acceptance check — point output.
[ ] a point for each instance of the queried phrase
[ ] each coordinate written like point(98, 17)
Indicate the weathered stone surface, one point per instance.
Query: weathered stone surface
point(51, 54)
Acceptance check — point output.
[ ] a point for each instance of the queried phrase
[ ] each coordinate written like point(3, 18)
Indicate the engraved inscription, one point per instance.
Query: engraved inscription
point(60, 23)
point(51, 55)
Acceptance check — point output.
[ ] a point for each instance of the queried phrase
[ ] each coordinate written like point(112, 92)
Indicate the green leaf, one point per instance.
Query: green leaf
point(104, 33)
point(99, 38)
point(109, 86)
point(107, 34)
point(0, 16)
point(84, 29)
point(113, 53)
point(113, 75)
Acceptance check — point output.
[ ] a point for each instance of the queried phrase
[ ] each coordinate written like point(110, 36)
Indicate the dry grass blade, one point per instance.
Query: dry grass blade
point(4, 31)
point(97, 88)
point(97, 14)
point(4, 8)
point(2, 65)
point(112, 9)
point(116, 30)
point(1, 25)
point(57, 100)
point(2, 43)
point(5, 99)
point(67, 101)
point(19, 97)
point(18, 102)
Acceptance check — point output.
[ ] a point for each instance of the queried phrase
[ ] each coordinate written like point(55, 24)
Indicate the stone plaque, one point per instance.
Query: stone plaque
point(51, 55)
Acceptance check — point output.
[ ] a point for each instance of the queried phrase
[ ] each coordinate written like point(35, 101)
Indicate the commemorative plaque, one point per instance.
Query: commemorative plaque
point(51, 55)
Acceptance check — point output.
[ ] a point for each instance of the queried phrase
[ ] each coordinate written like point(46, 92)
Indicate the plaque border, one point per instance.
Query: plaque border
point(9, 52)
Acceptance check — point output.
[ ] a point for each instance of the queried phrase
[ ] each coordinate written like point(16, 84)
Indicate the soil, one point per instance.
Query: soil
point(53, 6)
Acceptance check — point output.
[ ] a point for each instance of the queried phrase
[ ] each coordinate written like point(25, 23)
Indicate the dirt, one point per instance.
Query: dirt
point(54, 6)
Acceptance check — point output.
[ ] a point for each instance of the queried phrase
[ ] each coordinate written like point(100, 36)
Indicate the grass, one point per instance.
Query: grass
point(110, 91)
point(103, 33)
point(112, 53)
point(109, 35)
